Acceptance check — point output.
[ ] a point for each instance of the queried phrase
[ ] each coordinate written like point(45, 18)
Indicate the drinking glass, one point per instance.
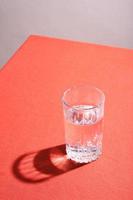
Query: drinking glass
point(83, 108)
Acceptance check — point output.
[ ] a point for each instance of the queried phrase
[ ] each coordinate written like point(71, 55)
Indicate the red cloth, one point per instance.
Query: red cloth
point(31, 122)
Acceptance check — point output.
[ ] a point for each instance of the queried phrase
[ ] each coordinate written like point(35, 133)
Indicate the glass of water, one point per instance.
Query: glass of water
point(83, 115)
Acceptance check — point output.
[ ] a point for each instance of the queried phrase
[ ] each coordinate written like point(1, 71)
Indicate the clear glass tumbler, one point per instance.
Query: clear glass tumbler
point(83, 115)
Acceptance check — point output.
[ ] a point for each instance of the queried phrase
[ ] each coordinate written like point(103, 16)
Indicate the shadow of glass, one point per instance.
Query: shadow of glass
point(39, 166)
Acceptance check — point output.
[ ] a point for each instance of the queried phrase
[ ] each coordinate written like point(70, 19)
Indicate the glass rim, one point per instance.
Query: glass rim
point(89, 86)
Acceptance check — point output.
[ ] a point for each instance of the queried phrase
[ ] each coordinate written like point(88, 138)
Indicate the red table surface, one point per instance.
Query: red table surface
point(32, 151)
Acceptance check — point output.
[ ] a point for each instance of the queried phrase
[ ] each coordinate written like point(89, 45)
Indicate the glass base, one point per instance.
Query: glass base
point(83, 154)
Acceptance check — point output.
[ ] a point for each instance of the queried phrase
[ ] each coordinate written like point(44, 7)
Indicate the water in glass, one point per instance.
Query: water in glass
point(83, 132)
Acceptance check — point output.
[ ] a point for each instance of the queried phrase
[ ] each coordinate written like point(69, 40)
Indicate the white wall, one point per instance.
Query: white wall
point(98, 21)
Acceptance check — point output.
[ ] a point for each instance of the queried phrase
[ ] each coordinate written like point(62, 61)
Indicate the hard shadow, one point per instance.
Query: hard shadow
point(39, 166)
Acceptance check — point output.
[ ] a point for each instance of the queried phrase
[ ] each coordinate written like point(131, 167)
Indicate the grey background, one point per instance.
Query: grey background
point(108, 22)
